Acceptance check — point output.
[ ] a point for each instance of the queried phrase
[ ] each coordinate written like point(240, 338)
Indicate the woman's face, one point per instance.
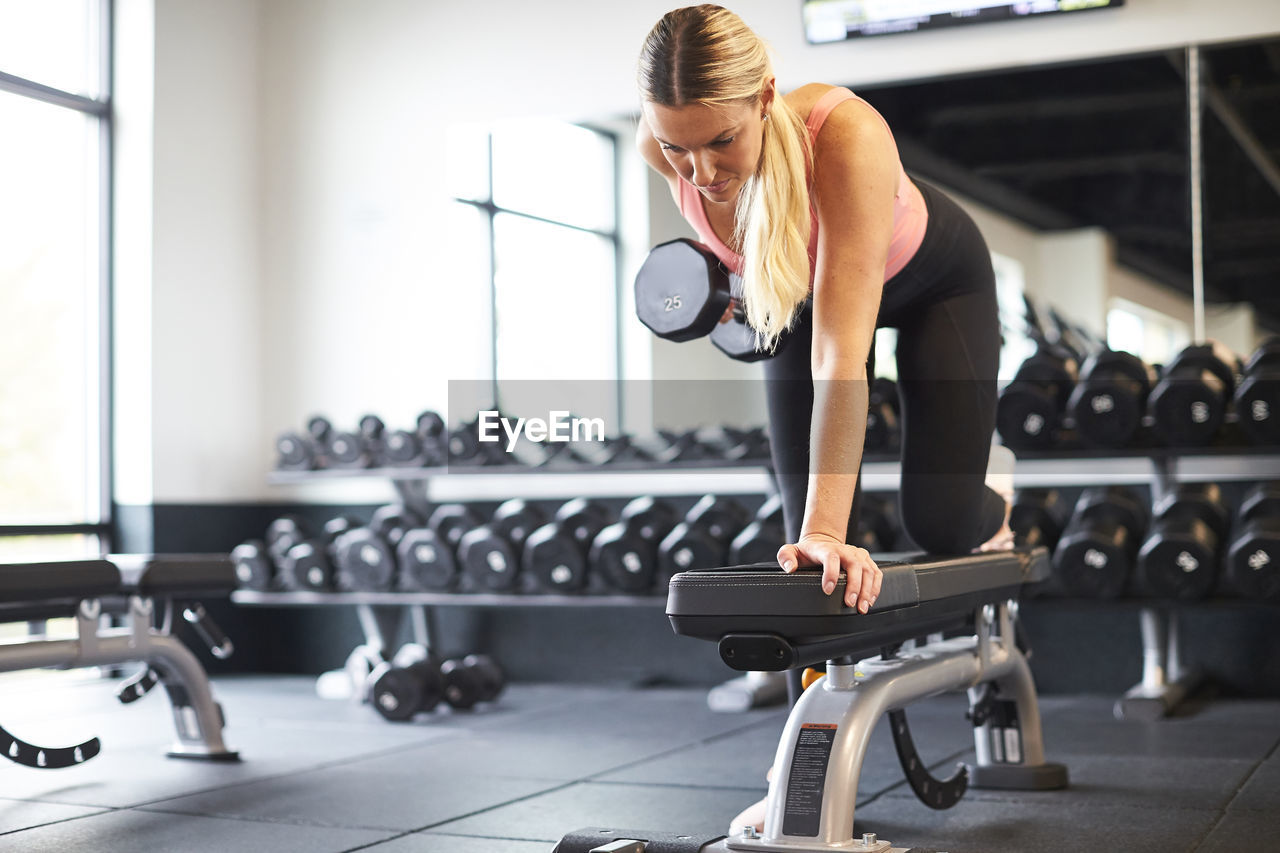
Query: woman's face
point(714, 148)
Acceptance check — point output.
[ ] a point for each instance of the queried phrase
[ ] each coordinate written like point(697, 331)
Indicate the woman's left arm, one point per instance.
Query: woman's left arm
point(855, 178)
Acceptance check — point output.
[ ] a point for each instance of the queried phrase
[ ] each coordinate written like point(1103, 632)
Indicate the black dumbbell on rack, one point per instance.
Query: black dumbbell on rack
point(489, 555)
point(1181, 554)
point(624, 555)
point(556, 556)
point(702, 539)
point(884, 428)
point(308, 565)
point(1030, 409)
point(682, 292)
point(1189, 403)
point(254, 569)
point(427, 555)
point(421, 447)
point(1257, 398)
point(365, 557)
point(1110, 398)
point(878, 525)
point(1037, 518)
point(1096, 553)
point(760, 540)
point(1252, 566)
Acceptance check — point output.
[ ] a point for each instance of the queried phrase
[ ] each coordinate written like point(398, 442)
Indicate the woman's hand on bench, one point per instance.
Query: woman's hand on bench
point(864, 576)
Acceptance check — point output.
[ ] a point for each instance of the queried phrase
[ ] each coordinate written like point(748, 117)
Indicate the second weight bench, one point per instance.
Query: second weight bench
point(138, 588)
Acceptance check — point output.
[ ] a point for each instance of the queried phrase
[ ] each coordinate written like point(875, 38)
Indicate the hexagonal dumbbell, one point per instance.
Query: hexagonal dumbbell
point(624, 555)
point(409, 684)
point(683, 291)
point(1181, 554)
point(1189, 403)
point(1110, 399)
point(1252, 565)
point(1257, 398)
point(556, 556)
point(489, 555)
point(1096, 554)
point(1029, 410)
point(760, 540)
point(702, 539)
point(308, 565)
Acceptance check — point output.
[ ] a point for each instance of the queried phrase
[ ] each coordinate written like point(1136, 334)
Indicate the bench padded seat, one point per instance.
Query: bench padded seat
point(919, 594)
point(176, 574)
point(44, 590)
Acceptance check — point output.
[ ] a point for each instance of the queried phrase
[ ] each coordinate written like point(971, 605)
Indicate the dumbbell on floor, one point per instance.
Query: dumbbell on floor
point(1180, 556)
point(1252, 565)
point(415, 681)
point(624, 555)
point(1095, 555)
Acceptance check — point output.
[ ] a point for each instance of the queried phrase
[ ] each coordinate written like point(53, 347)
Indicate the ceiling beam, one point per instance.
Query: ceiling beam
point(1056, 107)
point(933, 167)
point(1162, 162)
point(1234, 234)
point(1231, 120)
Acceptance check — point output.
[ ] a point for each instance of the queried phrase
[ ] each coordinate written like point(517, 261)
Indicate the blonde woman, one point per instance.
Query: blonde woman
point(803, 195)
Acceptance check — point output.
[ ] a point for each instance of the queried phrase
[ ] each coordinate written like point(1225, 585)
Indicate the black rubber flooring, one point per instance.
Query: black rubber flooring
point(321, 775)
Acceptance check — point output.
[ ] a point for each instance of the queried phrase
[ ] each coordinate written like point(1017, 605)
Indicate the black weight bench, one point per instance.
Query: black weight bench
point(138, 588)
point(877, 664)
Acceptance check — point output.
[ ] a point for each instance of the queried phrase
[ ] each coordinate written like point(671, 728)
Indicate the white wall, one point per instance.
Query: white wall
point(298, 221)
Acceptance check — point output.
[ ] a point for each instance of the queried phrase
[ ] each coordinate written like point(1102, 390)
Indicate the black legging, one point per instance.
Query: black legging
point(943, 304)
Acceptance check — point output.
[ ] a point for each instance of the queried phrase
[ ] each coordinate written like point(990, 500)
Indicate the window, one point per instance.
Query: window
point(1152, 336)
point(537, 221)
point(54, 151)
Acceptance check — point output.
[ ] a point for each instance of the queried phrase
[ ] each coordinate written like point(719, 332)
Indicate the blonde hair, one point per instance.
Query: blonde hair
point(707, 55)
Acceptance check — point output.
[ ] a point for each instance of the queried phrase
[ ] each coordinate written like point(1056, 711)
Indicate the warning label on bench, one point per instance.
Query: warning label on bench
point(802, 813)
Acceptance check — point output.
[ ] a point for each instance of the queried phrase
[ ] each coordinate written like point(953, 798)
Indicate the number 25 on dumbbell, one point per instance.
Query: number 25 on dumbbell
point(683, 292)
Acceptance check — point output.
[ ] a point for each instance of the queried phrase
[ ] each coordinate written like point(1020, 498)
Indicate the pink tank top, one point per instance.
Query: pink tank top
point(909, 213)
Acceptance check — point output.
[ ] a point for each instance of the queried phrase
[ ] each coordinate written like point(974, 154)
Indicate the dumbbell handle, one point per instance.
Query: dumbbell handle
point(220, 645)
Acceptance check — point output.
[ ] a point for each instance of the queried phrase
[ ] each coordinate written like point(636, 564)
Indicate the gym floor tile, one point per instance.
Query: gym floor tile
point(130, 831)
point(1244, 830)
point(741, 757)
point(1261, 792)
point(1019, 827)
point(20, 814)
point(1137, 781)
point(548, 817)
point(412, 797)
point(424, 842)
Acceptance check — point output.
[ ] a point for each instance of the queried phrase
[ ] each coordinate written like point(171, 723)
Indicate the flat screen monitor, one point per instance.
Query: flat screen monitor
point(837, 20)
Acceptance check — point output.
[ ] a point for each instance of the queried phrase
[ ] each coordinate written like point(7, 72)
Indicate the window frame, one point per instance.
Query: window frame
point(613, 235)
point(100, 520)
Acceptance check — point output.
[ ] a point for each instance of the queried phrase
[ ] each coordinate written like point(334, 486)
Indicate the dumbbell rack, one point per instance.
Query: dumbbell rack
point(1165, 681)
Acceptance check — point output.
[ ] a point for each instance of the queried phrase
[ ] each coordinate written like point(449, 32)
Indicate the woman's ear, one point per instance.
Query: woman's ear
point(767, 95)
